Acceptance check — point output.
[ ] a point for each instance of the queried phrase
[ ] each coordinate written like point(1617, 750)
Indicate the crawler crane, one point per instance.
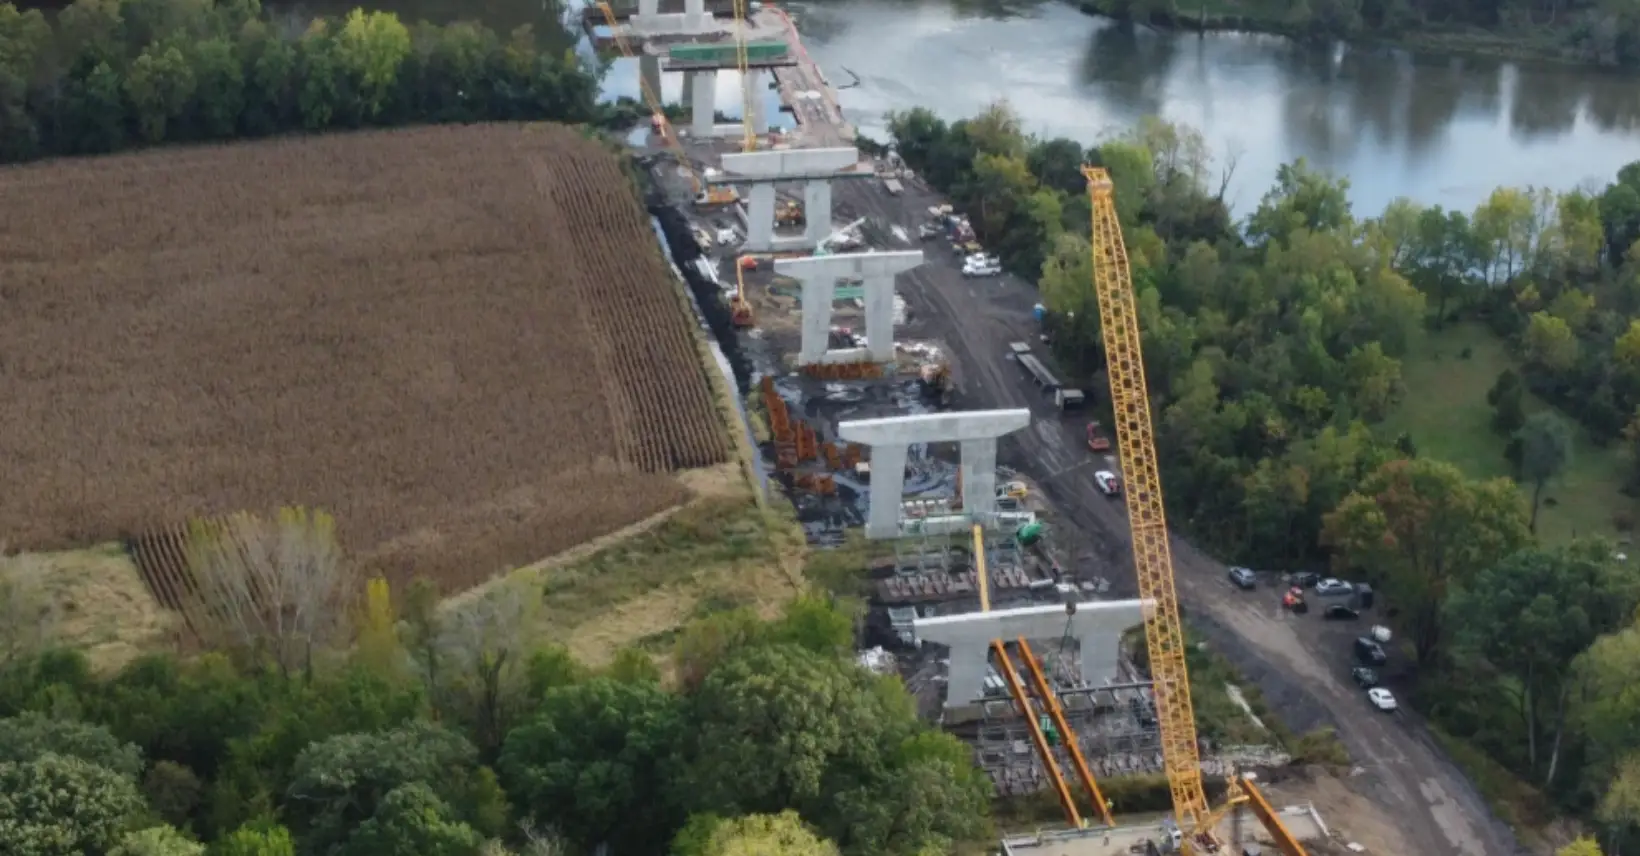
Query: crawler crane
point(1152, 558)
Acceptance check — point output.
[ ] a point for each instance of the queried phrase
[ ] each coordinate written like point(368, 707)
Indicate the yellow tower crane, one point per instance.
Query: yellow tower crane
point(1147, 522)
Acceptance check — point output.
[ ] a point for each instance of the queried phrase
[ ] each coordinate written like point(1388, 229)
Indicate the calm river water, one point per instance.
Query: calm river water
point(1439, 129)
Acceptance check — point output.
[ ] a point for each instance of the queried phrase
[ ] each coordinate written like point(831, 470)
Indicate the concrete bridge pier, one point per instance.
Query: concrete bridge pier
point(977, 433)
point(820, 275)
point(1097, 626)
point(812, 167)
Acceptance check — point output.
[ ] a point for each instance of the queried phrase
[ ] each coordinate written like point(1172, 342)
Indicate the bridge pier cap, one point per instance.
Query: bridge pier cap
point(794, 162)
point(934, 427)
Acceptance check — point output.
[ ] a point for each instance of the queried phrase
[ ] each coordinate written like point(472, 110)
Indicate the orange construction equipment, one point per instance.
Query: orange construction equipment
point(1050, 700)
point(1043, 750)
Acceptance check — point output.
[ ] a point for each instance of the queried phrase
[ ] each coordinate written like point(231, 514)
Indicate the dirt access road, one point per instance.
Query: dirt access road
point(1406, 796)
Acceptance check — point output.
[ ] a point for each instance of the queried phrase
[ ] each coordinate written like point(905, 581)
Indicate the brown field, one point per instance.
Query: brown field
point(463, 342)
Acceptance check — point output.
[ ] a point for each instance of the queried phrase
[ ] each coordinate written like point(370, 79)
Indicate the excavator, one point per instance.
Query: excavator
point(1194, 828)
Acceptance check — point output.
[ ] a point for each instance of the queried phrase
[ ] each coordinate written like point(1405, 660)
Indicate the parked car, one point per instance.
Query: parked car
point(1370, 653)
point(1109, 483)
point(1382, 699)
point(1364, 677)
point(1243, 578)
point(971, 268)
point(1340, 612)
point(1304, 579)
point(1331, 587)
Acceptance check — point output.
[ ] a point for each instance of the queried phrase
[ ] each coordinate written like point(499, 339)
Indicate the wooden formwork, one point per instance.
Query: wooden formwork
point(843, 371)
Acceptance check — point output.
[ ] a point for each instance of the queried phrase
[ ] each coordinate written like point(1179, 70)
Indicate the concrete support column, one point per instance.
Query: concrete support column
point(817, 210)
point(818, 293)
point(694, 15)
point(760, 217)
point(649, 71)
point(887, 491)
point(879, 300)
point(704, 116)
point(979, 478)
point(760, 112)
point(688, 90)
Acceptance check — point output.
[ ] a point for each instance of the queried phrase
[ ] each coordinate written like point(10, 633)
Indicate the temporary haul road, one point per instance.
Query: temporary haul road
point(1420, 802)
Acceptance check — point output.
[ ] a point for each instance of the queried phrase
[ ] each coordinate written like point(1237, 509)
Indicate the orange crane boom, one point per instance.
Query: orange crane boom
point(1051, 701)
point(1049, 764)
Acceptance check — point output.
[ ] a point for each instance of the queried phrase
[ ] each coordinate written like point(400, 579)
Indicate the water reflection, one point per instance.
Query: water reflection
point(1437, 128)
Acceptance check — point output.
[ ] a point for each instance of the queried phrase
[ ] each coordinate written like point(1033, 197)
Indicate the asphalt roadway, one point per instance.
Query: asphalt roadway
point(1420, 803)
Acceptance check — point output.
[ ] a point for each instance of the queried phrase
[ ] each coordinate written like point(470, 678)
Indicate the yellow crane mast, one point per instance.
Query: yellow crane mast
point(1152, 558)
point(1152, 555)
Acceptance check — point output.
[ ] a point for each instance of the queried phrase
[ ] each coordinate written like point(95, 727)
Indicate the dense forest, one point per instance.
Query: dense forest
point(116, 74)
point(1274, 351)
point(445, 734)
point(1601, 32)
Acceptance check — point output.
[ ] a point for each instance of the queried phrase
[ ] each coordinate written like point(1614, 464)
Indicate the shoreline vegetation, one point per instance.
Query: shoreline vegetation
point(1597, 36)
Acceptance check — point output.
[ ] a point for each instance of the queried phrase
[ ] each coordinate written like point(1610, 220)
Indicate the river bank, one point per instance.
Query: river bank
point(1535, 45)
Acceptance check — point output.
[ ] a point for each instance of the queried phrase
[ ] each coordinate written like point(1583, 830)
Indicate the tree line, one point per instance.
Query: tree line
point(1273, 350)
point(456, 733)
point(1602, 32)
point(109, 75)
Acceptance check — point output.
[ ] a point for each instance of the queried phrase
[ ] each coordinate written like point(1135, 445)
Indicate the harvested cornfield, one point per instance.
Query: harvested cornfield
point(462, 342)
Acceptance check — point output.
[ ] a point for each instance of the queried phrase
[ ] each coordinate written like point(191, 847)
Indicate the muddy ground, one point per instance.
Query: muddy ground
point(1403, 796)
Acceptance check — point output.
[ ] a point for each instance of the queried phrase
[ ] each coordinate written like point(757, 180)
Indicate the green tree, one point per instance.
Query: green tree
point(1418, 528)
point(157, 841)
point(31, 735)
point(371, 47)
point(1302, 199)
point(1546, 450)
point(219, 87)
point(160, 84)
point(261, 839)
point(1508, 399)
point(782, 834)
point(1550, 343)
point(413, 821)
point(1580, 847)
point(58, 806)
point(596, 762)
point(336, 782)
point(1532, 615)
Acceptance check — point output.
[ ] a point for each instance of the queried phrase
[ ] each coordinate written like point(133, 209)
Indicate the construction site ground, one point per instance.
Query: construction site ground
point(1402, 795)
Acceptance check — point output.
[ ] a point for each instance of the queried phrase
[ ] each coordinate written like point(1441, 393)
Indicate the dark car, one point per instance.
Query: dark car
point(1370, 652)
point(1340, 612)
point(1364, 677)
point(1243, 578)
point(1304, 579)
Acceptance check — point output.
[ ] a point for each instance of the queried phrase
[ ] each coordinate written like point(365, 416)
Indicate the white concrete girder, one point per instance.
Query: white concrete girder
point(776, 163)
point(1097, 625)
point(819, 276)
point(977, 431)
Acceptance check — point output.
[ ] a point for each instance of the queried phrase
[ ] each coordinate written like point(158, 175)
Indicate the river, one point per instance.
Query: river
point(1440, 129)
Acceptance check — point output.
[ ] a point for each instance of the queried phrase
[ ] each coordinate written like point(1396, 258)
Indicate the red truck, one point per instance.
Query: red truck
point(1097, 441)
